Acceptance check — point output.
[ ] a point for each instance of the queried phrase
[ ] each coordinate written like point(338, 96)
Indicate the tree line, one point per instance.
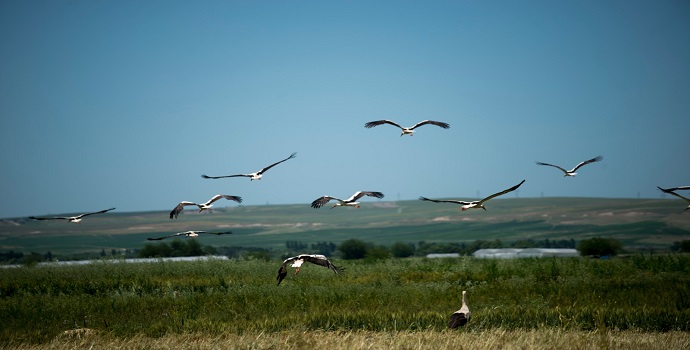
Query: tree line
point(349, 249)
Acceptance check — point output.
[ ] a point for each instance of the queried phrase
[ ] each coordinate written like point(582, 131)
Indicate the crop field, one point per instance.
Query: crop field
point(635, 302)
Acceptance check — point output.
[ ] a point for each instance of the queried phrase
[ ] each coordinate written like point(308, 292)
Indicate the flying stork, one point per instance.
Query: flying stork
point(74, 219)
point(462, 316)
point(298, 260)
point(350, 202)
point(253, 176)
point(572, 171)
point(203, 206)
point(406, 131)
point(670, 191)
point(474, 204)
point(193, 234)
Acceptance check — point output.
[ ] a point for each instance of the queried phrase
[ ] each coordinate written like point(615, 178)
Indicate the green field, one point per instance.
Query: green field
point(638, 223)
point(641, 301)
point(541, 301)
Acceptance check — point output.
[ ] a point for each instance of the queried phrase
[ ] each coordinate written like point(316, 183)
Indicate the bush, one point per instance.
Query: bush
point(682, 246)
point(353, 249)
point(377, 253)
point(402, 250)
point(599, 247)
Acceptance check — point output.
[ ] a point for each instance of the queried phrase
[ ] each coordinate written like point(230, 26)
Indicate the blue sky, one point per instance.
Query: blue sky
point(127, 103)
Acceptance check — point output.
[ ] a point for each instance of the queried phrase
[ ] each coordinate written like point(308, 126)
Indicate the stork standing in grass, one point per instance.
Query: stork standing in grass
point(298, 260)
point(193, 234)
point(350, 202)
point(74, 219)
point(252, 176)
point(461, 317)
point(572, 172)
point(406, 131)
point(203, 206)
point(670, 191)
point(474, 204)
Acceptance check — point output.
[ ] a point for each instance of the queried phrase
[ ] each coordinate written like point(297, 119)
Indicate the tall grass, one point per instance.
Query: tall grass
point(241, 297)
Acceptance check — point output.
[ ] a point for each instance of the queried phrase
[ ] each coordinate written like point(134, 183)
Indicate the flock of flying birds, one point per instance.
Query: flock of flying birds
point(459, 318)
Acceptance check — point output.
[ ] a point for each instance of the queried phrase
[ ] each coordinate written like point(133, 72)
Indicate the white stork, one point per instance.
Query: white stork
point(193, 234)
point(670, 191)
point(406, 131)
point(461, 317)
point(298, 260)
point(572, 172)
point(74, 219)
point(203, 206)
point(253, 176)
point(474, 204)
point(350, 202)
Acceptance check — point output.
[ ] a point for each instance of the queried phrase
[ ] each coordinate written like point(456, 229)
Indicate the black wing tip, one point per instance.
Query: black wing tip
point(665, 190)
point(204, 176)
point(370, 125)
point(318, 203)
point(442, 124)
point(237, 199)
point(378, 194)
point(293, 155)
point(422, 198)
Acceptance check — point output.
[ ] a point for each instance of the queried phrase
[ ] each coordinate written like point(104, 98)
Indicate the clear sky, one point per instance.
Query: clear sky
point(126, 103)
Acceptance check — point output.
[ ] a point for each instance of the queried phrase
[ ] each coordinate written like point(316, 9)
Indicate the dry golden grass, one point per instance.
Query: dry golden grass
point(489, 339)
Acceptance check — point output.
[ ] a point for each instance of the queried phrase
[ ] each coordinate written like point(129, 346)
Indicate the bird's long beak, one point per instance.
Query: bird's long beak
point(484, 208)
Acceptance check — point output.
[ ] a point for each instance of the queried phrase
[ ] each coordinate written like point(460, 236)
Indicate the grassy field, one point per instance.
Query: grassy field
point(638, 223)
point(356, 340)
point(634, 302)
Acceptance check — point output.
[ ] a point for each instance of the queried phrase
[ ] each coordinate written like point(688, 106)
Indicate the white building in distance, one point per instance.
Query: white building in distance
point(511, 253)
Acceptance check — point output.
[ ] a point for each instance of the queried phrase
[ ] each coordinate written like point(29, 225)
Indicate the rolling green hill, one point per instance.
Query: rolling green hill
point(639, 223)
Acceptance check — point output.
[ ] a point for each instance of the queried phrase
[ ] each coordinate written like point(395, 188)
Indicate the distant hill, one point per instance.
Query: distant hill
point(639, 223)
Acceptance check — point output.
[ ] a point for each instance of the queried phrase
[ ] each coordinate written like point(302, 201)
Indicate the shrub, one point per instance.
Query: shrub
point(599, 246)
point(353, 249)
point(402, 250)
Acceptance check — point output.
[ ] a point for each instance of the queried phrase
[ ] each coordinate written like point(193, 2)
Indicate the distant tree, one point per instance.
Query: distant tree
point(324, 248)
point(32, 259)
point(258, 254)
point(194, 248)
point(402, 250)
point(353, 249)
point(681, 246)
point(377, 253)
point(159, 250)
point(599, 247)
